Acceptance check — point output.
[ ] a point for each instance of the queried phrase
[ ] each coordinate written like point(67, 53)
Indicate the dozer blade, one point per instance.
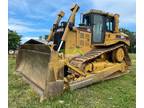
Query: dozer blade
point(32, 63)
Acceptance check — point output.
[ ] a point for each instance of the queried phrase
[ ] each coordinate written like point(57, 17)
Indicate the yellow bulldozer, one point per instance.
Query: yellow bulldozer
point(74, 57)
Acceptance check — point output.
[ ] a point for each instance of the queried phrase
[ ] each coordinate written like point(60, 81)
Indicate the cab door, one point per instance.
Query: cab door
point(98, 29)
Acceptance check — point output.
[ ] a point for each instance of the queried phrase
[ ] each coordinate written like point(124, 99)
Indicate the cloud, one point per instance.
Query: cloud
point(14, 21)
point(30, 37)
point(33, 17)
point(24, 29)
point(37, 17)
point(126, 8)
point(26, 38)
point(21, 5)
point(42, 7)
point(24, 26)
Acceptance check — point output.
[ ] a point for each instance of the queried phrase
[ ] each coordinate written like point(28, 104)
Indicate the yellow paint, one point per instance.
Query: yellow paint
point(111, 38)
point(59, 17)
point(79, 41)
point(119, 55)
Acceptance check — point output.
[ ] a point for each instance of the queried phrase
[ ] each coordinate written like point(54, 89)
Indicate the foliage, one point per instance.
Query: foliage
point(46, 37)
point(13, 40)
point(40, 37)
point(43, 37)
point(132, 35)
point(115, 93)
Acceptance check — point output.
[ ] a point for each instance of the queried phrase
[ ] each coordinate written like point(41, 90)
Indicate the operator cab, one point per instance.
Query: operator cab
point(99, 22)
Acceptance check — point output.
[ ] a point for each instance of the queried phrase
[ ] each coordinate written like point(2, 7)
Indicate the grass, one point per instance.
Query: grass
point(116, 93)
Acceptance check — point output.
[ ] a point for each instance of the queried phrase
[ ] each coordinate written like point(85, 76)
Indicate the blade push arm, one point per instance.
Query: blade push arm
point(74, 10)
point(70, 24)
point(56, 23)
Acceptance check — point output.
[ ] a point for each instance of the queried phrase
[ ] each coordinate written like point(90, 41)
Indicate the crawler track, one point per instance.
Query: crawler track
point(80, 61)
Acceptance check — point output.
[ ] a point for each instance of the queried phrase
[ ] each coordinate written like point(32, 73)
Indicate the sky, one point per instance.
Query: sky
point(34, 18)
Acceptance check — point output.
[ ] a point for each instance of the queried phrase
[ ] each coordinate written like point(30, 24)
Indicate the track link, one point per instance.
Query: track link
point(79, 61)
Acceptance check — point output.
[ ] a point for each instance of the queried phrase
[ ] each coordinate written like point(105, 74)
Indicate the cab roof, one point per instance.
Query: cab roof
point(94, 11)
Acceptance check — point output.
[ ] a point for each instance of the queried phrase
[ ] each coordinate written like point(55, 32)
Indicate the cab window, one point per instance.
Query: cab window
point(109, 24)
point(86, 20)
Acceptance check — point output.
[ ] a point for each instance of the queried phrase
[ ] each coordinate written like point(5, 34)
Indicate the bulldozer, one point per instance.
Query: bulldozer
point(75, 57)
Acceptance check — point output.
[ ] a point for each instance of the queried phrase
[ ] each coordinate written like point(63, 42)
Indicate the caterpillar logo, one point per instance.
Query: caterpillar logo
point(122, 37)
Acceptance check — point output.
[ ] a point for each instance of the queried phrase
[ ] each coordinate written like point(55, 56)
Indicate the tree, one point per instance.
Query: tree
point(43, 37)
point(40, 37)
point(46, 37)
point(132, 36)
point(13, 40)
